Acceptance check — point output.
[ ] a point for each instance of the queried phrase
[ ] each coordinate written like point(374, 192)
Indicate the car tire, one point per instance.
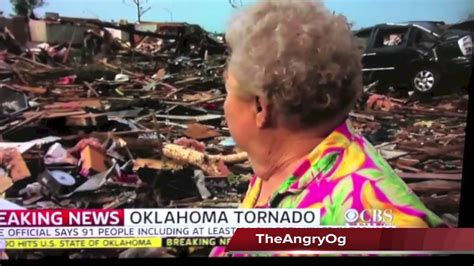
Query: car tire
point(425, 80)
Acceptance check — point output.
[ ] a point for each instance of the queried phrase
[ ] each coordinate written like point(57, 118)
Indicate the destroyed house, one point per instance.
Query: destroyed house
point(182, 38)
point(54, 29)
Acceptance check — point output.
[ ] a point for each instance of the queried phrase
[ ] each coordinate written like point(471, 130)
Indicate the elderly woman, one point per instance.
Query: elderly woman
point(293, 76)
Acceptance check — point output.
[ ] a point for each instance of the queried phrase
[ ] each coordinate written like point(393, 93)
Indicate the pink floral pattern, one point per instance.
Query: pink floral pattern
point(345, 172)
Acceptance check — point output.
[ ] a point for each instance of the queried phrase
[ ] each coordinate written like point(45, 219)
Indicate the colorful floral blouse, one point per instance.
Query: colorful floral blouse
point(345, 172)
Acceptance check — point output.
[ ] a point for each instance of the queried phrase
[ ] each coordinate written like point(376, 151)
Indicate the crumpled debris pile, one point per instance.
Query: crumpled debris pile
point(122, 131)
point(143, 129)
point(423, 141)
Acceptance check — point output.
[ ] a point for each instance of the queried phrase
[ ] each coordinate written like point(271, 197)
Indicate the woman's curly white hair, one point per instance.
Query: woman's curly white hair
point(298, 55)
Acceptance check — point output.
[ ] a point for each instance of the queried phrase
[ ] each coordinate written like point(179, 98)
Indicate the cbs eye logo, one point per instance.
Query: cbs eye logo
point(369, 216)
point(351, 215)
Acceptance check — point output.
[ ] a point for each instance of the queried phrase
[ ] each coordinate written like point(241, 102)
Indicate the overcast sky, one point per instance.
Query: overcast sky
point(213, 15)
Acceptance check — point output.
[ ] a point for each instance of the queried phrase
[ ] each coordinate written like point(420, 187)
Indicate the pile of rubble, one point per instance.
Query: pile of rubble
point(423, 141)
point(145, 129)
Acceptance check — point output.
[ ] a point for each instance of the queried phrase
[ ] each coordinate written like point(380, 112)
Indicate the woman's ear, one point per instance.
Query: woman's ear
point(263, 112)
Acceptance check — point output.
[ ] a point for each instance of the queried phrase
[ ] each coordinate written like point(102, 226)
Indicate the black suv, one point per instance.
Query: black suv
point(416, 55)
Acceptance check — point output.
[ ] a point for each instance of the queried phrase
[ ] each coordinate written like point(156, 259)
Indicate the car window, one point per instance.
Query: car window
point(423, 39)
point(392, 37)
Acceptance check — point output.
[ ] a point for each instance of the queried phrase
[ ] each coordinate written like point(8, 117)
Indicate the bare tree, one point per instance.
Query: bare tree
point(169, 12)
point(235, 3)
point(141, 7)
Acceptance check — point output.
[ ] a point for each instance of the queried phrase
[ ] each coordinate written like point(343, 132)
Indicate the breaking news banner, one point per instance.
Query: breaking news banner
point(139, 228)
point(353, 241)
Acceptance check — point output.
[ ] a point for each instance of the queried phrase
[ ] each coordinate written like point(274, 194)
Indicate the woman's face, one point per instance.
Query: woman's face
point(240, 114)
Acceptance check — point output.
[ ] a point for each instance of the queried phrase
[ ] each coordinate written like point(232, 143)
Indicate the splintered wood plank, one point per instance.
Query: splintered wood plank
point(435, 186)
point(407, 176)
point(199, 131)
point(158, 164)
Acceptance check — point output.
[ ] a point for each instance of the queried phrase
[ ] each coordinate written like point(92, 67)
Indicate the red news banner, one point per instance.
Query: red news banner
point(311, 238)
point(353, 240)
point(41, 218)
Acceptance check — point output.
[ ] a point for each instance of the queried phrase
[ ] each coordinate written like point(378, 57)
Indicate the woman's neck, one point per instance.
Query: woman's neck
point(279, 162)
point(278, 152)
point(279, 158)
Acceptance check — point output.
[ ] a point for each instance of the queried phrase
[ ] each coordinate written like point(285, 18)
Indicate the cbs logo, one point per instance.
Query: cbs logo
point(369, 216)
